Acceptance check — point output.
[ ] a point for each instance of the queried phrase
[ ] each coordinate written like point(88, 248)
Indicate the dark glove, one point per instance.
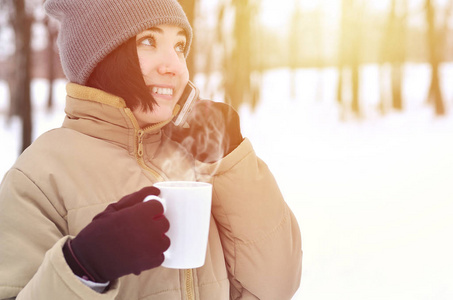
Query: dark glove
point(214, 131)
point(127, 237)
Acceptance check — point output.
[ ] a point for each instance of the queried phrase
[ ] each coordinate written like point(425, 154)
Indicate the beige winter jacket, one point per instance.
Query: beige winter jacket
point(72, 173)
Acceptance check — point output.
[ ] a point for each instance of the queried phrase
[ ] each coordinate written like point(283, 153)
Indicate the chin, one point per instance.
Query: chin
point(164, 115)
point(147, 118)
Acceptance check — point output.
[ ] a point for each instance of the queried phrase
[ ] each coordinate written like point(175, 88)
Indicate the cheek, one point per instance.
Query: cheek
point(184, 75)
point(185, 70)
point(145, 64)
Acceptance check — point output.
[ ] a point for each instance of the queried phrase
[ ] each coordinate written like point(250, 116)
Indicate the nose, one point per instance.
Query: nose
point(170, 63)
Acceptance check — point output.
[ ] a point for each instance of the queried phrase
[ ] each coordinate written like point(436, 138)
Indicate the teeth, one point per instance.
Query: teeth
point(162, 91)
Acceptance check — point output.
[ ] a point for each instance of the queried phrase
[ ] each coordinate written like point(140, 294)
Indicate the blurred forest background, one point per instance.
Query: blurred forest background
point(238, 40)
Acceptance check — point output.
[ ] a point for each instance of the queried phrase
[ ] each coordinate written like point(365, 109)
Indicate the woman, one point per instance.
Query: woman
point(73, 224)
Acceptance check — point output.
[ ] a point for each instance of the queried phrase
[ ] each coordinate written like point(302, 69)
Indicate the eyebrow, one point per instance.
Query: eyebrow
point(159, 30)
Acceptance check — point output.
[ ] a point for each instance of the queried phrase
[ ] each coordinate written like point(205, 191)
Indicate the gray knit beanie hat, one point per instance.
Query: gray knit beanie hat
point(91, 29)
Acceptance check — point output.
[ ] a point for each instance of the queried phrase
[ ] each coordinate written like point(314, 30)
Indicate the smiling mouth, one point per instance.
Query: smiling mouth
point(162, 91)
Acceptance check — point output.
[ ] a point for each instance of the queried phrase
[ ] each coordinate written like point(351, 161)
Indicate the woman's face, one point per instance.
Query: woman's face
point(160, 52)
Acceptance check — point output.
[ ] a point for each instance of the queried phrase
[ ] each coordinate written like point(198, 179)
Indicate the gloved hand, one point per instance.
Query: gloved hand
point(214, 131)
point(127, 237)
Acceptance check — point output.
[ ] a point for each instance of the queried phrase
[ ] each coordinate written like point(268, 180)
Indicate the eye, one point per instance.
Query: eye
point(147, 41)
point(181, 47)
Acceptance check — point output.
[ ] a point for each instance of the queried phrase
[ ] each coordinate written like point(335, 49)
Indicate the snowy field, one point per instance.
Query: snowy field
point(373, 196)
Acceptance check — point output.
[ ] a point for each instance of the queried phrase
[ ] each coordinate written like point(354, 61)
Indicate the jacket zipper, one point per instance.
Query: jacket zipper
point(141, 162)
point(139, 155)
point(139, 135)
point(189, 284)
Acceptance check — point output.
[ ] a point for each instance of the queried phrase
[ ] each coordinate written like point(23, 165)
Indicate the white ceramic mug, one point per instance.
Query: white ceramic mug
point(187, 206)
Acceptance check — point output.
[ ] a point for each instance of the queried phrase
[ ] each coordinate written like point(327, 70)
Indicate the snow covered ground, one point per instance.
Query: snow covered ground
point(373, 196)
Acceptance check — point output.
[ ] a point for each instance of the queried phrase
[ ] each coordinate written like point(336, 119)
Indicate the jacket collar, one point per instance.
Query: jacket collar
point(104, 116)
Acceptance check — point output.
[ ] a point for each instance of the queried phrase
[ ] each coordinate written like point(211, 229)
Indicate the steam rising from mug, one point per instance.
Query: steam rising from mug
point(207, 135)
point(213, 133)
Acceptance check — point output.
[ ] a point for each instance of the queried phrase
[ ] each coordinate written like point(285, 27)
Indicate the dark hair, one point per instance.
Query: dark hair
point(119, 74)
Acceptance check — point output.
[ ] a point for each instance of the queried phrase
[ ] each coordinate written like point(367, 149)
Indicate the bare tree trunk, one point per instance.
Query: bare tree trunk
point(238, 65)
point(51, 37)
point(443, 37)
point(435, 93)
point(342, 53)
point(355, 73)
point(22, 29)
point(350, 50)
point(397, 97)
point(383, 103)
point(320, 58)
point(398, 51)
point(340, 84)
point(355, 55)
point(189, 7)
point(8, 72)
point(13, 109)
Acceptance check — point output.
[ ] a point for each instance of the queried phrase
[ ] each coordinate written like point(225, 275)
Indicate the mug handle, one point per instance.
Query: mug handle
point(154, 197)
point(162, 201)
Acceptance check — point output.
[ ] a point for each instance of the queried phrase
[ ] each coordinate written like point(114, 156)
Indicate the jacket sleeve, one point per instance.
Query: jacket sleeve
point(259, 233)
point(32, 234)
